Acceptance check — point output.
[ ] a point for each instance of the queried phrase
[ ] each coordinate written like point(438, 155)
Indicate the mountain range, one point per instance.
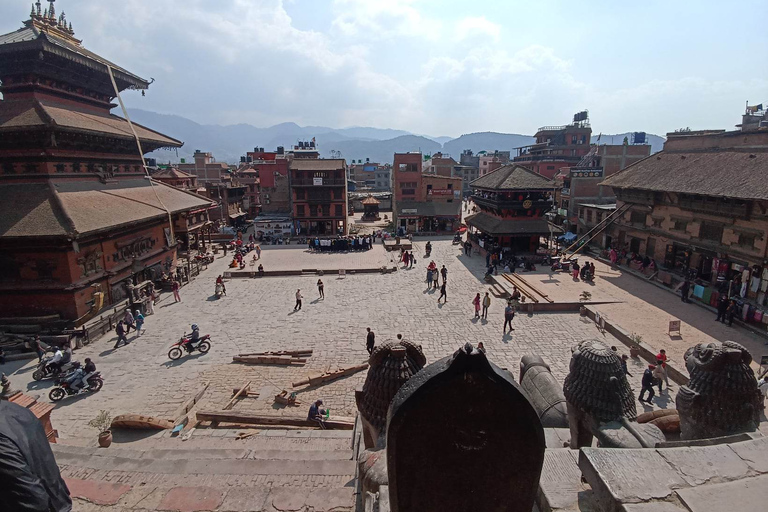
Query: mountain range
point(229, 143)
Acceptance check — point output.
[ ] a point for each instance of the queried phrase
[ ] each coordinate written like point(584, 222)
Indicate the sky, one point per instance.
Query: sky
point(436, 67)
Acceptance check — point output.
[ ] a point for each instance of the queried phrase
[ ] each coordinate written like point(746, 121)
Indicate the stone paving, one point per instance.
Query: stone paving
point(643, 308)
point(258, 315)
point(298, 257)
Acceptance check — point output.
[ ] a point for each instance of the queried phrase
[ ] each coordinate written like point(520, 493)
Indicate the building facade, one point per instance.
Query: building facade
point(557, 147)
point(699, 209)
point(512, 201)
point(176, 178)
point(319, 196)
point(206, 168)
point(79, 220)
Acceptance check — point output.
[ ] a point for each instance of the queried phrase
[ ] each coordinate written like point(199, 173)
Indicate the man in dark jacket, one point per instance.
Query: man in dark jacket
point(370, 341)
point(29, 477)
point(647, 384)
point(722, 306)
point(685, 290)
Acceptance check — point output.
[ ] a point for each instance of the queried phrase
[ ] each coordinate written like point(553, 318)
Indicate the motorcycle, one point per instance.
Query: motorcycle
point(456, 239)
point(204, 258)
point(219, 290)
point(565, 266)
point(64, 389)
point(45, 369)
point(203, 346)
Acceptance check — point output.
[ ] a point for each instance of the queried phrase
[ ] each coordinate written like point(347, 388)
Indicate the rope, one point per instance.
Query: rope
point(141, 154)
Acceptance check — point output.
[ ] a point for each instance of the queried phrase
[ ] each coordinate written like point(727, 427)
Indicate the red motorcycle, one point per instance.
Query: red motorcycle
point(203, 346)
point(206, 258)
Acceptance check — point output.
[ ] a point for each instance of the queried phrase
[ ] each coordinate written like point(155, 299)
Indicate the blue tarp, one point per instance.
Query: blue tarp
point(568, 237)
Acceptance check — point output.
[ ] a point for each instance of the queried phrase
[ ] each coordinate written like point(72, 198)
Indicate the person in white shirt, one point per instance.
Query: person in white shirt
point(55, 361)
point(298, 300)
point(763, 387)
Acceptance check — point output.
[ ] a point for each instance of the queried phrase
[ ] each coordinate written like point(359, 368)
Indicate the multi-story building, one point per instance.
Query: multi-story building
point(206, 168)
point(512, 201)
point(581, 183)
point(557, 147)
point(274, 190)
point(230, 200)
point(79, 220)
point(424, 202)
point(700, 208)
point(319, 196)
point(383, 180)
point(249, 178)
point(176, 178)
point(489, 162)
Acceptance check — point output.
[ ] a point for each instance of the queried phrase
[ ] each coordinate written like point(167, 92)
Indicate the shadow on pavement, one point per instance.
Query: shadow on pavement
point(184, 359)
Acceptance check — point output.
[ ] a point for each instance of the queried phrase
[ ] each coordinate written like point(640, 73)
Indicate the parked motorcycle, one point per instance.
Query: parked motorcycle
point(203, 346)
point(456, 239)
point(565, 266)
point(64, 389)
point(45, 369)
point(206, 258)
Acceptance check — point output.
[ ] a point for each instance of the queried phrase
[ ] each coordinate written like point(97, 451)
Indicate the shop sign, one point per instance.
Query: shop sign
point(411, 211)
point(317, 181)
point(440, 192)
point(587, 173)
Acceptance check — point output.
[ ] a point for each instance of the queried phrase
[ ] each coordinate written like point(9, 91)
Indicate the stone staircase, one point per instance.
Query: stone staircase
point(274, 470)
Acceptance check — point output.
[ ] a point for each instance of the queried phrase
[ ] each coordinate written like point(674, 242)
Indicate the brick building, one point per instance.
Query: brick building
point(274, 189)
point(424, 202)
point(319, 196)
point(699, 207)
point(206, 168)
point(176, 178)
point(78, 217)
point(512, 201)
point(557, 147)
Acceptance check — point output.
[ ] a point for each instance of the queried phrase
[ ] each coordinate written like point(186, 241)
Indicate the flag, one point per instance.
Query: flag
point(598, 137)
point(751, 109)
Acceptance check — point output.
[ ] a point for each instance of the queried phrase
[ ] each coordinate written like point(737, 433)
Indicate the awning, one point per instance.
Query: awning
point(491, 225)
point(235, 216)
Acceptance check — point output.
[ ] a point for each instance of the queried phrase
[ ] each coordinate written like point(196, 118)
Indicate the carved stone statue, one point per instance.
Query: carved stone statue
point(600, 401)
point(721, 397)
point(390, 366)
point(544, 392)
point(461, 435)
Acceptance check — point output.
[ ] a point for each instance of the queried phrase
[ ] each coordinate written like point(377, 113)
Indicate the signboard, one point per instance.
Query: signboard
point(562, 212)
point(674, 326)
point(406, 211)
point(440, 192)
point(586, 173)
point(317, 181)
point(457, 194)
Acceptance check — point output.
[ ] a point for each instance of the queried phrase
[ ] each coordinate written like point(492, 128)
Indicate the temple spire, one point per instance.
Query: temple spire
point(32, 13)
point(52, 10)
point(38, 7)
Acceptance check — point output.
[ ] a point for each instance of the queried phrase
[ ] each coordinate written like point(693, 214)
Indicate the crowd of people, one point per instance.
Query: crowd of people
point(342, 243)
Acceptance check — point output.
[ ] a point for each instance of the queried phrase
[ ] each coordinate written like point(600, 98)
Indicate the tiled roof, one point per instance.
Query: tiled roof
point(173, 172)
point(493, 226)
point(735, 174)
point(317, 164)
point(370, 200)
point(71, 208)
point(431, 209)
point(19, 114)
point(513, 177)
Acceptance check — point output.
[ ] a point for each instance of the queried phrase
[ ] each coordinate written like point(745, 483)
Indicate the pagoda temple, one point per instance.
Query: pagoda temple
point(512, 201)
point(79, 217)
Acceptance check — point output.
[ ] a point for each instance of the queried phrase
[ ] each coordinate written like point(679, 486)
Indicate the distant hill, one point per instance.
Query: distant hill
point(229, 143)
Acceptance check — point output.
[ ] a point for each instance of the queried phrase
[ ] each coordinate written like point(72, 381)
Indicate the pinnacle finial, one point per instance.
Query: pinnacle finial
point(32, 13)
point(52, 10)
point(38, 7)
point(45, 14)
point(70, 28)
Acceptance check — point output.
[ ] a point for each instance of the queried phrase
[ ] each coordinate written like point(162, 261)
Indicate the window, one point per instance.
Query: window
point(637, 217)
point(550, 167)
point(680, 225)
point(581, 213)
point(61, 167)
point(339, 210)
point(300, 210)
point(711, 231)
point(450, 186)
point(746, 240)
point(7, 168)
point(599, 217)
point(300, 193)
point(589, 215)
point(573, 139)
point(657, 221)
point(408, 192)
point(326, 210)
point(313, 210)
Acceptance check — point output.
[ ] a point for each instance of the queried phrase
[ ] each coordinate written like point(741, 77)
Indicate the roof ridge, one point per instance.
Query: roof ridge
point(59, 204)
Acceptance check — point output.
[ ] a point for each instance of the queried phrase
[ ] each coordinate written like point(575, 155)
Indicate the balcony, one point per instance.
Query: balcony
point(326, 182)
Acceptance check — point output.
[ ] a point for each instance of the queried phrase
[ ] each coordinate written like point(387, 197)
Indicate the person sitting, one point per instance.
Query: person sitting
point(261, 269)
point(193, 338)
point(55, 363)
point(220, 280)
point(318, 414)
point(88, 370)
point(74, 379)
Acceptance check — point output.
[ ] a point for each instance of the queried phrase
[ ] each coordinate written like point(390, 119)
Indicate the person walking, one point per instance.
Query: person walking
point(647, 384)
point(486, 304)
point(476, 303)
point(442, 293)
point(120, 331)
point(298, 300)
point(175, 287)
point(730, 312)
point(411, 259)
point(661, 357)
point(321, 288)
point(509, 315)
point(129, 320)
point(139, 322)
point(684, 290)
point(429, 279)
point(38, 346)
point(624, 359)
point(658, 374)
point(258, 252)
point(370, 341)
point(444, 273)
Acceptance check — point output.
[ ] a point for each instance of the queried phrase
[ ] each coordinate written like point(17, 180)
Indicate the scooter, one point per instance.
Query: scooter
point(219, 290)
point(565, 266)
point(203, 346)
point(45, 369)
point(63, 390)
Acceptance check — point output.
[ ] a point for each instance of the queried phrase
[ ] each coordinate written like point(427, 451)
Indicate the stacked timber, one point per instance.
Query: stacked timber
point(284, 357)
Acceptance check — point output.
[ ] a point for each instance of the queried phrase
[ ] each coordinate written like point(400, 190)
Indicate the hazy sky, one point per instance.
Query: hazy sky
point(438, 67)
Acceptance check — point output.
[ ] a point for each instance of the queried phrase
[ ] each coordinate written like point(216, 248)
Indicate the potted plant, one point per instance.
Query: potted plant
point(585, 296)
point(102, 422)
point(634, 350)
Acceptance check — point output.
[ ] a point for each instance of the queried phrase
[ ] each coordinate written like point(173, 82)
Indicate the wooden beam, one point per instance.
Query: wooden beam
point(261, 419)
point(321, 378)
point(180, 416)
point(247, 394)
point(298, 353)
point(282, 360)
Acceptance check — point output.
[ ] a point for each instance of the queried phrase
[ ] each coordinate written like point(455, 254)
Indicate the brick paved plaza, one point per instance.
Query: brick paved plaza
point(257, 314)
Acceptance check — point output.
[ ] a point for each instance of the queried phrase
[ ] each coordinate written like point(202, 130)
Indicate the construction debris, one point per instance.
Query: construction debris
point(297, 353)
point(286, 399)
point(247, 433)
point(182, 414)
point(138, 421)
point(317, 379)
point(261, 419)
point(247, 394)
point(264, 359)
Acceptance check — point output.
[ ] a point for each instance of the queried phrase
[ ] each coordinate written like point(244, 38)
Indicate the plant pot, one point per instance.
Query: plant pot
point(634, 351)
point(583, 311)
point(105, 439)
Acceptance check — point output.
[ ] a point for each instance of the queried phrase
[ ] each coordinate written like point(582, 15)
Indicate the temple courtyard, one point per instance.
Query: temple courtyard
point(257, 314)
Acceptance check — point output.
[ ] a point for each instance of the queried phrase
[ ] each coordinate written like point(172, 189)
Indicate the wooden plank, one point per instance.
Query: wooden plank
point(282, 360)
point(529, 285)
point(261, 419)
point(522, 284)
point(299, 353)
point(321, 378)
point(248, 394)
point(521, 289)
point(180, 416)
